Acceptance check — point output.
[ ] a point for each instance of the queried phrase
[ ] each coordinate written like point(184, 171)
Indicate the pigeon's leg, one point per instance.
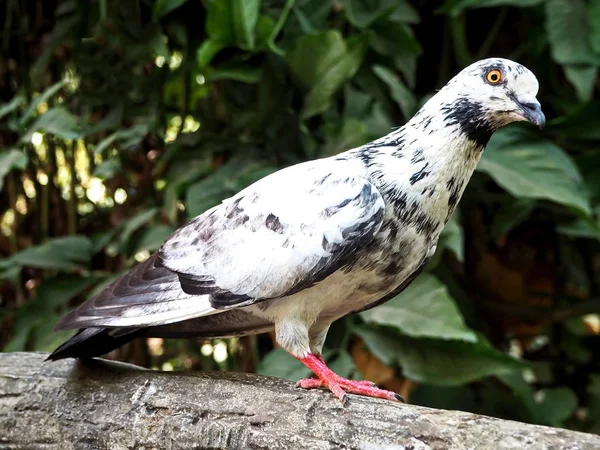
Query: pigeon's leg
point(338, 385)
point(317, 335)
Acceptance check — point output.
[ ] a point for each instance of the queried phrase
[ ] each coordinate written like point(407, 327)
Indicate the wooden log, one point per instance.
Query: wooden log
point(105, 405)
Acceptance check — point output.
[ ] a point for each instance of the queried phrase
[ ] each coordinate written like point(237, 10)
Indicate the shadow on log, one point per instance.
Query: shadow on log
point(105, 405)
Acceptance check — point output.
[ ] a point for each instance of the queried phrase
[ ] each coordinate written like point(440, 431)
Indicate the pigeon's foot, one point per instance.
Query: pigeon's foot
point(340, 386)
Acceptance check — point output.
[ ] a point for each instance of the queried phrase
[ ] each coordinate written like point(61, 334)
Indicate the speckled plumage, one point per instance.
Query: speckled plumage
point(316, 241)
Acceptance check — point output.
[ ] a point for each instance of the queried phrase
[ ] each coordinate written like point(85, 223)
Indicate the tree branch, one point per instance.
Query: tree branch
point(105, 405)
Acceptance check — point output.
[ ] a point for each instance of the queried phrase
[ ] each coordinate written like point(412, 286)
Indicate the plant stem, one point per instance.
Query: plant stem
point(12, 201)
point(459, 39)
point(277, 28)
point(44, 210)
point(491, 37)
point(102, 9)
point(72, 203)
point(34, 202)
point(445, 60)
point(187, 80)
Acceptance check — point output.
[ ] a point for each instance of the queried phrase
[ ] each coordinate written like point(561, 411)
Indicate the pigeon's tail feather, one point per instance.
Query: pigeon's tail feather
point(91, 342)
point(96, 341)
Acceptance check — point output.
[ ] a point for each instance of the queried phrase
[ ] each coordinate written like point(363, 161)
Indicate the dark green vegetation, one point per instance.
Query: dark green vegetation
point(121, 120)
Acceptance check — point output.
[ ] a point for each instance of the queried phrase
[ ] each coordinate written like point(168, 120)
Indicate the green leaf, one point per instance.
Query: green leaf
point(244, 17)
point(439, 362)
point(133, 224)
point(362, 13)
point(587, 228)
point(232, 22)
point(589, 165)
point(423, 309)
point(63, 25)
point(404, 13)
point(224, 182)
point(101, 239)
point(62, 253)
point(379, 122)
point(206, 193)
point(452, 238)
point(126, 137)
point(568, 32)
point(534, 169)
point(164, 7)
point(44, 97)
point(10, 273)
point(108, 168)
point(556, 406)
point(522, 390)
point(38, 315)
point(313, 54)
point(278, 363)
point(132, 136)
point(44, 338)
point(181, 173)
point(394, 40)
point(513, 212)
point(105, 143)
point(594, 20)
point(384, 346)
point(583, 79)
point(7, 108)
point(9, 160)
point(153, 238)
point(250, 75)
point(57, 121)
point(323, 62)
point(219, 26)
point(207, 52)
point(357, 103)
point(579, 123)
point(400, 93)
point(111, 120)
point(456, 7)
point(352, 134)
point(265, 34)
point(343, 364)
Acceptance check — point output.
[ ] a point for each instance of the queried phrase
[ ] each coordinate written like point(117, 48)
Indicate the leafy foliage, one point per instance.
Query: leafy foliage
point(121, 120)
point(424, 309)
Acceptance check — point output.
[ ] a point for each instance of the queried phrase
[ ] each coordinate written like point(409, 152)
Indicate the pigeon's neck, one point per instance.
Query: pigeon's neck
point(426, 164)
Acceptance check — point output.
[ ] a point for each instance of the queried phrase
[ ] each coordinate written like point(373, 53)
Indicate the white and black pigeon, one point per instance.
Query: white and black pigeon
point(313, 242)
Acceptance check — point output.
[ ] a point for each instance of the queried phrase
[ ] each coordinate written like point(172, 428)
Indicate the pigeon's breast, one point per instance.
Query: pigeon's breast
point(397, 252)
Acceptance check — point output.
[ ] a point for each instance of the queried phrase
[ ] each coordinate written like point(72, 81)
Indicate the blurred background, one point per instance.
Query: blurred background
point(121, 120)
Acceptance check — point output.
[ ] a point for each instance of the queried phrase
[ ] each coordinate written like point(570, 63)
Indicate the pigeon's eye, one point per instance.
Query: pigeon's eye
point(494, 76)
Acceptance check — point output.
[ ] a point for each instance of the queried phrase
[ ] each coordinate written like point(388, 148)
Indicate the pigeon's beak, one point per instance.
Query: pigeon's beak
point(530, 109)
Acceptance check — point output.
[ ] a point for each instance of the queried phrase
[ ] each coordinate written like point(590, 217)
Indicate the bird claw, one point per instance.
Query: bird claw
point(365, 383)
point(310, 383)
point(344, 386)
point(340, 386)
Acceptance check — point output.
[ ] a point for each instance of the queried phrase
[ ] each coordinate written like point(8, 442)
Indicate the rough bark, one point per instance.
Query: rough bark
point(103, 405)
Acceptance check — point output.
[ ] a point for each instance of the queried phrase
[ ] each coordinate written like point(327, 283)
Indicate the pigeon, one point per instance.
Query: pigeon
point(313, 242)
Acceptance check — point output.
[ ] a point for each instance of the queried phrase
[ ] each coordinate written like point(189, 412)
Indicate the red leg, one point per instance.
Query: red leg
point(339, 385)
point(338, 378)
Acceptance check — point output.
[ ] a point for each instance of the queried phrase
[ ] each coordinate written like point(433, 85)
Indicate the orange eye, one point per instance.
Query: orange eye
point(494, 76)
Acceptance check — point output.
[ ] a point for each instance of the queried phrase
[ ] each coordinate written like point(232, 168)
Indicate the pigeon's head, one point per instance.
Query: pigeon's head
point(495, 92)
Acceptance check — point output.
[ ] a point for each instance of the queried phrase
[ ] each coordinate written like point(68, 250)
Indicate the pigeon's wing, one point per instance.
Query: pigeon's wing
point(277, 237)
point(149, 294)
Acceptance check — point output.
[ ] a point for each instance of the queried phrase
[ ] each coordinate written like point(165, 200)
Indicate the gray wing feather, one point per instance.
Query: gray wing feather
point(149, 294)
point(281, 235)
point(276, 238)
